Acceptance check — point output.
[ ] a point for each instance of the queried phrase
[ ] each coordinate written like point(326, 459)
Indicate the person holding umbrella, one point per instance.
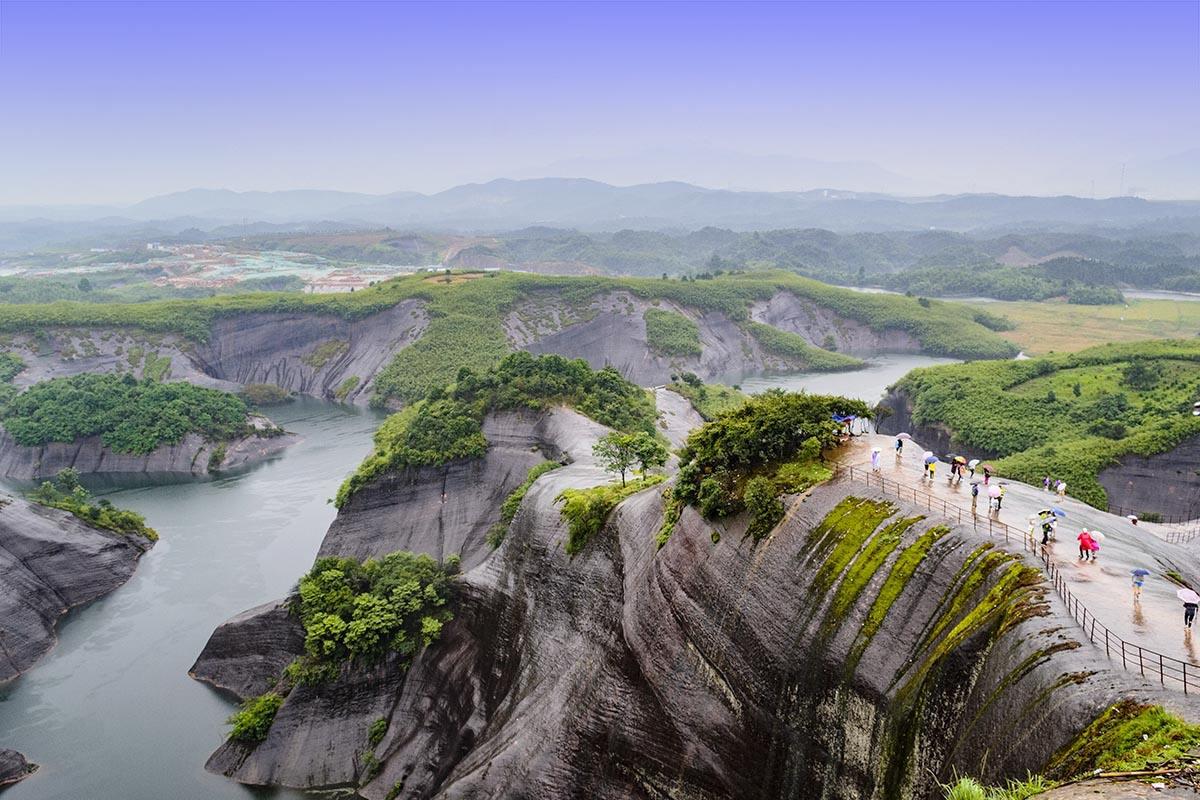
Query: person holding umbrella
point(974, 496)
point(1085, 545)
point(1139, 578)
point(972, 464)
point(900, 437)
point(1191, 601)
point(987, 473)
point(875, 459)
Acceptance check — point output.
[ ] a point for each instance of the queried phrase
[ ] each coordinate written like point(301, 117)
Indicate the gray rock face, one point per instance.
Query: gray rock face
point(1165, 483)
point(286, 349)
point(700, 670)
point(269, 632)
point(14, 768)
point(50, 562)
point(938, 437)
point(611, 331)
point(788, 312)
point(192, 456)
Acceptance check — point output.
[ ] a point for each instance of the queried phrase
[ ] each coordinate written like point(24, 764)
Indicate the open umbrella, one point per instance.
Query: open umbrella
point(1098, 536)
point(994, 491)
point(876, 450)
point(1188, 596)
point(930, 459)
point(903, 436)
point(1058, 512)
point(988, 467)
point(950, 457)
point(959, 460)
point(1140, 573)
point(973, 463)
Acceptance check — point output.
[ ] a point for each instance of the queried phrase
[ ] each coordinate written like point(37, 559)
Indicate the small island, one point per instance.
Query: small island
point(118, 424)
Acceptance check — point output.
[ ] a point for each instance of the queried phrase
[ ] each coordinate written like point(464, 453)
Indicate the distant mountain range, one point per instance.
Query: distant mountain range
point(588, 205)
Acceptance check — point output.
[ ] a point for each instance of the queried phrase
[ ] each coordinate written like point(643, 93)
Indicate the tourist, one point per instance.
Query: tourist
point(1189, 613)
point(1085, 545)
point(1000, 497)
point(987, 473)
point(932, 469)
point(1047, 529)
point(1139, 579)
point(899, 447)
point(974, 497)
point(875, 459)
point(1046, 483)
point(1062, 489)
point(1095, 546)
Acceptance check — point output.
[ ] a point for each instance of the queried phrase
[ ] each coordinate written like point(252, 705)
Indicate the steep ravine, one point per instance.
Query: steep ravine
point(860, 651)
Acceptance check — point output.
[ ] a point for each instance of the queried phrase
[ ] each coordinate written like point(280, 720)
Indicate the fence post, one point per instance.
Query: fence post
point(1162, 678)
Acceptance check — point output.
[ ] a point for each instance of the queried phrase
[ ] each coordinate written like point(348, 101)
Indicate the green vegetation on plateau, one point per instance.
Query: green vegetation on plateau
point(253, 721)
point(265, 394)
point(1068, 416)
point(448, 423)
point(361, 611)
point(1127, 737)
point(745, 458)
point(129, 415)
point(796, 348)
point(66, 494)
point(708, 400)
point(671, 334)
point(466, 316)
point(586, 510)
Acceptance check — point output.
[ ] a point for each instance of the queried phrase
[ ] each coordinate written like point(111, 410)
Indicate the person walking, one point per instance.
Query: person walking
point(1046, 483)
point(1139, 579)
point(875, 459)
point(974, 497)
point(1085, 545)
point(1062, 489)
point(1000, 497)
point(987, 473)
point(899, 447)
point(932, 470)
point(1047, 529)
point(1189, 612)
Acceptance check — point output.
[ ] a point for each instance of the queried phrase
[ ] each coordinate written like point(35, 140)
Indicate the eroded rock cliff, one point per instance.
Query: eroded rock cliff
point(861, 650)
point(51, 562)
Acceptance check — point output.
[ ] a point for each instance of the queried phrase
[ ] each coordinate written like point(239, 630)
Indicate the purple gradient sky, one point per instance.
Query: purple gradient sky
point(111, 102)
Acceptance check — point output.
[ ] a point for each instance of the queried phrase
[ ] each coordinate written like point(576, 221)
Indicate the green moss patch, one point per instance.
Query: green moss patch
point(671, 334)
point(1127, 737)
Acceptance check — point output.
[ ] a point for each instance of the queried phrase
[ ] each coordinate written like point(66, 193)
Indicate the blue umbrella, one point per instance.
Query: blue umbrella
point(1058, 512)
point(1141, 573)
point(930, 459)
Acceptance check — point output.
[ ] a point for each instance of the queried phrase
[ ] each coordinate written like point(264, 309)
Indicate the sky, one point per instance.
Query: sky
point(114, 102)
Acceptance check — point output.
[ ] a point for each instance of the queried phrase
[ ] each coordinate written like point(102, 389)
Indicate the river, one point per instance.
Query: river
point(868, 384)
point(110, 713)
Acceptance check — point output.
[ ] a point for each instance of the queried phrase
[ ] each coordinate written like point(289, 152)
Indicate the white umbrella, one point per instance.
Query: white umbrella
point(973, 463)
point(927, 454)
point(1188, 596)
point(1098, 536)
point(876, 450)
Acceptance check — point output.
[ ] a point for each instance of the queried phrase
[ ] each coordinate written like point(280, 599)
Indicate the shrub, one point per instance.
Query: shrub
point(795, 348)
point(376, 732)
point(763, 504)
point(671, 334)
point(346, 387)
point(325, 351)
point(353, 610)
point(265, 394)
point(709, 401)
point(586, 510)
point(66, 494)
point(253, 722)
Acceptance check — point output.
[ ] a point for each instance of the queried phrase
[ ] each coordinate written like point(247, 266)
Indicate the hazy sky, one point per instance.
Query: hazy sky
point(114, 102)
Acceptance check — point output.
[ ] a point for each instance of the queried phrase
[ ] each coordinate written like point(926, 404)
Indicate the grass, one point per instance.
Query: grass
point(971, 789)
point(795, 349)
point(709, 400)
point(1126, 738)
point(671, 334)
point(586, 510)
point(1045, 327)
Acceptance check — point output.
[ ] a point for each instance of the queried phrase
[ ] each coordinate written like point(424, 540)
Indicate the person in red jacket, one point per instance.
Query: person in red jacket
point(1085, 545)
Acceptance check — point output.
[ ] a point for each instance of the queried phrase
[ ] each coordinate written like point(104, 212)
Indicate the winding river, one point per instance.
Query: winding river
point(111, 711)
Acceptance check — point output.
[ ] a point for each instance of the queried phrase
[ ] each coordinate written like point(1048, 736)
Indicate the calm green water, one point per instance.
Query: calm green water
point(868, 384)
point(110, 714)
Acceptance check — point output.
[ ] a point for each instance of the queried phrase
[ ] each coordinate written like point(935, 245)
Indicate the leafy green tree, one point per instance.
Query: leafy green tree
point(617, 452)
point(649, 451)
point(84, 285)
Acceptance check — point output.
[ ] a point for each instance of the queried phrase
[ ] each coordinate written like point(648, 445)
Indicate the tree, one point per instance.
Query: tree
point(618, 452)
point(84, 285)
point(650, 451)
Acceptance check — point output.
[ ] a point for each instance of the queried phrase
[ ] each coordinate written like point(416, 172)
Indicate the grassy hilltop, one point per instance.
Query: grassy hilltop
point(1067, 415)
point(467, 311)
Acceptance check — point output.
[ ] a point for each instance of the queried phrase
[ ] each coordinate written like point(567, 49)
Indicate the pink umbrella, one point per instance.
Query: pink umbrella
point(1188, 596)
point(994, 491)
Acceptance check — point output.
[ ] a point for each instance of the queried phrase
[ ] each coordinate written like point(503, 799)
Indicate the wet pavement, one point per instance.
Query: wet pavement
point(1104, 586)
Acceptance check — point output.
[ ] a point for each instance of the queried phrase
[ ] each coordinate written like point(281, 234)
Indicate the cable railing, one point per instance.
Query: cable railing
point(1171, 672)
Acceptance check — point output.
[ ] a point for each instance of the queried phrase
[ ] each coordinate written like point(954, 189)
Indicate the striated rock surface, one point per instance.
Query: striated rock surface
point(318, 355)
point(611, 331)
point(264, 640)
point(860, 651)
point(788, 312)
point(1165, 483)
point(193, 456)
point(51, 562)
point(14, 768)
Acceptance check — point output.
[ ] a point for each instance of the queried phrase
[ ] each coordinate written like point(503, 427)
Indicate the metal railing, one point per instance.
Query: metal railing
point(1165, 519)
point(1172, 672)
